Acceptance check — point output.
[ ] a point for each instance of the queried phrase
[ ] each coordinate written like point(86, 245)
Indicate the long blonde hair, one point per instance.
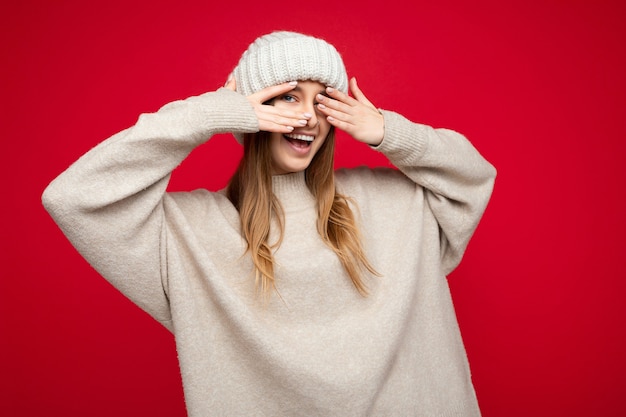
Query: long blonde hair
point(250, 190)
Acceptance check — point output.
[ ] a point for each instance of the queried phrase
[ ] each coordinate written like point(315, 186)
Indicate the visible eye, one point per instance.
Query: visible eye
point(288, 98)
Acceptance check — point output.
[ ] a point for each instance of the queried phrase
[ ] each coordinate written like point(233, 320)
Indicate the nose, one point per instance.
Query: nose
point(314, 120)
point(312, 110)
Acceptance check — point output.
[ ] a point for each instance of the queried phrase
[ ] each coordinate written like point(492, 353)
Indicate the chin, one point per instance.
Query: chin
point(292, 169)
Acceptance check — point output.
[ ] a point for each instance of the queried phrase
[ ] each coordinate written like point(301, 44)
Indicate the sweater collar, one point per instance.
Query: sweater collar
point(292, 191)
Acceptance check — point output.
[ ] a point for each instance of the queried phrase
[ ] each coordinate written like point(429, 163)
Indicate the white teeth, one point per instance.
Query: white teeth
point(301, 137)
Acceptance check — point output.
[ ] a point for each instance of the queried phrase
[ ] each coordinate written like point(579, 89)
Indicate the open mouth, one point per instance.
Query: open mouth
point(300, 141)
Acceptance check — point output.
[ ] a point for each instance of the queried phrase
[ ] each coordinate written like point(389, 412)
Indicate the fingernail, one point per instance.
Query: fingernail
point(302, 122)
point(293, 83)
point(320, 97)
point(320, 106)
point(330, 118)
point(307, 115)
point(330, 90)
point(290, 128)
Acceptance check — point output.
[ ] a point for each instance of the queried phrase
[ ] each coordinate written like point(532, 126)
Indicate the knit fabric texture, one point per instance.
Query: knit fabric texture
point(320, 348)
point(283, 56)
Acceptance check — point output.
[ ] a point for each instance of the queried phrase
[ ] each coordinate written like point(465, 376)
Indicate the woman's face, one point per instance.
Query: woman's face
point(293, 152)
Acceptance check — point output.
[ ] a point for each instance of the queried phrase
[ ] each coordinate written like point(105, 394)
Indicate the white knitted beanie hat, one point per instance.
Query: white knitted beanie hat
point(289, 56)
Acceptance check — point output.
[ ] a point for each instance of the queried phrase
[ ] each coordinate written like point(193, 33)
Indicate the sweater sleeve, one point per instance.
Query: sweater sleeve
point(457, 180)
point(109, 203)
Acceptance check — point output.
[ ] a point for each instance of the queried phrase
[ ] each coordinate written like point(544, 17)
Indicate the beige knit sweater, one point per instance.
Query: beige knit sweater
point(320, 349)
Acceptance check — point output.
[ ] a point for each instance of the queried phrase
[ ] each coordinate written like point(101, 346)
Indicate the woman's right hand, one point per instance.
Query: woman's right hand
point(272, 119)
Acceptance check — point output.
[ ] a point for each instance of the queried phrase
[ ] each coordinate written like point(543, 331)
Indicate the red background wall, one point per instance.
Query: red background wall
point(538, 86)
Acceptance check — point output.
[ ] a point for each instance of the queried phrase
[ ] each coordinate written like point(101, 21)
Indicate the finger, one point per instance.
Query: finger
point(231, 83)
point(271, 122)
point(281, 119)
point(274, 127)
point(341, 124)
point(271, 92)
point(280, 115)
point(328, 102)
point(340, 96)
point(339, 114)
point(358, 94)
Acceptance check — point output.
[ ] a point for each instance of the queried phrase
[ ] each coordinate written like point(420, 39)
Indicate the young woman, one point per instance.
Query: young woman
point(296, 290)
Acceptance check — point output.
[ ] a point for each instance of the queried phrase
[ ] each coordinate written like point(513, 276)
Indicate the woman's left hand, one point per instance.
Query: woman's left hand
point(356, 116)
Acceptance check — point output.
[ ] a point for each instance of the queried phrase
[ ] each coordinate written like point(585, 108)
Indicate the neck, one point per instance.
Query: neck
point(291, 190)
